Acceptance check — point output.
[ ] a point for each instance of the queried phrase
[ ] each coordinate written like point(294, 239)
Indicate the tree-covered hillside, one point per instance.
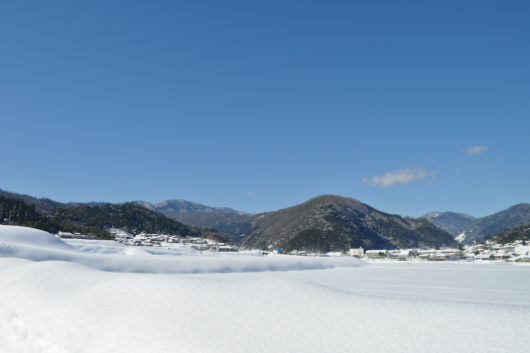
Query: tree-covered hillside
point(334, 223)
point(510, 235)
point(41, 204)
point(133, 218)
point(95, 220)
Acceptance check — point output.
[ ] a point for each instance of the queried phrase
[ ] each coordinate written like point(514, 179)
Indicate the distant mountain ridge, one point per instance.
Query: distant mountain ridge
point(449, 221)
point(183, 206)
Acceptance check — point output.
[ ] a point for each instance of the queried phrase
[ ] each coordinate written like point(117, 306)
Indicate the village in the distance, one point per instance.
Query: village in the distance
point(486, 252)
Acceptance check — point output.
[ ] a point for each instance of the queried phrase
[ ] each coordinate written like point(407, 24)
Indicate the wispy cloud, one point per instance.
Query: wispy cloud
point(475, 150)
point(400, 176)
point(250, 193)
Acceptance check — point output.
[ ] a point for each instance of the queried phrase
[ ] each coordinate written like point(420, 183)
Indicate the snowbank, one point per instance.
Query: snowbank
point(31, 237)
point(34, 245)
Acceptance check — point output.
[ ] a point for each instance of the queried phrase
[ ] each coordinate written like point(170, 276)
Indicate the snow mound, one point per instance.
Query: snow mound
point(34, 245)
point(16, 235)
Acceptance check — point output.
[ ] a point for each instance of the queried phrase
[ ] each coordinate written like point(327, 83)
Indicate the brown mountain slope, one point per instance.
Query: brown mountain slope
point(335, 223)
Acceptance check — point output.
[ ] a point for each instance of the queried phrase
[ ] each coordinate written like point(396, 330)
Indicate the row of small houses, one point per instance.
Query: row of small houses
point(157, 240)
point(516, 254)
point(380, 254)
point(144, 239)
point(194, 243)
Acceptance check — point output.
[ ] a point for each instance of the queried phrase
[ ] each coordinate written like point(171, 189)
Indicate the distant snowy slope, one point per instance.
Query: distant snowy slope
point(449, 221)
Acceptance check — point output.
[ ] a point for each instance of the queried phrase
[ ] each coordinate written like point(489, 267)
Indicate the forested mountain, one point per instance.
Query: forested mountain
point(131, 217)
point(335, 223)
point(95, 220)
point(510, 235)
point(493, 224)
point(449, 221)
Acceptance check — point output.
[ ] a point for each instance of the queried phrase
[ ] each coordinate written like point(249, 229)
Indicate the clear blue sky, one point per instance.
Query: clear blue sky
point(407, 106)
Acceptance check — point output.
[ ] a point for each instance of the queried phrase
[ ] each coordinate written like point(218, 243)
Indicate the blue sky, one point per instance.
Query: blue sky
point(409, 107)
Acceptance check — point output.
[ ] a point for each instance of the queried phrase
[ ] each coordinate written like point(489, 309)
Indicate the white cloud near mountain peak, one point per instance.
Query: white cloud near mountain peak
point(475, 150)
point(400, 176)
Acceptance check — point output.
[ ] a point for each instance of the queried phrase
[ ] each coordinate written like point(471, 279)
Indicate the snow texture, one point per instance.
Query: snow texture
point(62, 302)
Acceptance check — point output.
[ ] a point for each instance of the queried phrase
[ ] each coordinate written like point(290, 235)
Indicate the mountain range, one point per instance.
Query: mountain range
point(324, 222)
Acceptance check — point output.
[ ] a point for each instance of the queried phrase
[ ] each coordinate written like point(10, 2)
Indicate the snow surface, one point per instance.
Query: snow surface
point(63, 302)
point(110, 257)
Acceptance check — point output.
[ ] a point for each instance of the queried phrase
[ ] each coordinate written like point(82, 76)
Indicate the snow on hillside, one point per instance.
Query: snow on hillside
point(55, 298)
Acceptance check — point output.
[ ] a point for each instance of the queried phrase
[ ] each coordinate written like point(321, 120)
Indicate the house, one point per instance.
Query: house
point(501, 255)
point(376, 253)
point(357, 252)
point(199, 247)
point(227, 248)
point(438, 257)
point(404, 255)
point(66, 235)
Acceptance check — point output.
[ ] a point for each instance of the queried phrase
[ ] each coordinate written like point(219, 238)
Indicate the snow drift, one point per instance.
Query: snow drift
point(35, 245)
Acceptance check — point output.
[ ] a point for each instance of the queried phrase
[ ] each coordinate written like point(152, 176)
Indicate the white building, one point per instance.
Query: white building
point(357, 252)
point(376, 253)
point(65, 235)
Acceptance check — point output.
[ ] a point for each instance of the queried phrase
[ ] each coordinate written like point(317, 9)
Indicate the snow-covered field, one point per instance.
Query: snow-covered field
point(100, 296)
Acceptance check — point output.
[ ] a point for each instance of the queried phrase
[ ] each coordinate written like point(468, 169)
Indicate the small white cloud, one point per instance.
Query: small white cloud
point(475, 150)
point(250, 193)
point(400, 176)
